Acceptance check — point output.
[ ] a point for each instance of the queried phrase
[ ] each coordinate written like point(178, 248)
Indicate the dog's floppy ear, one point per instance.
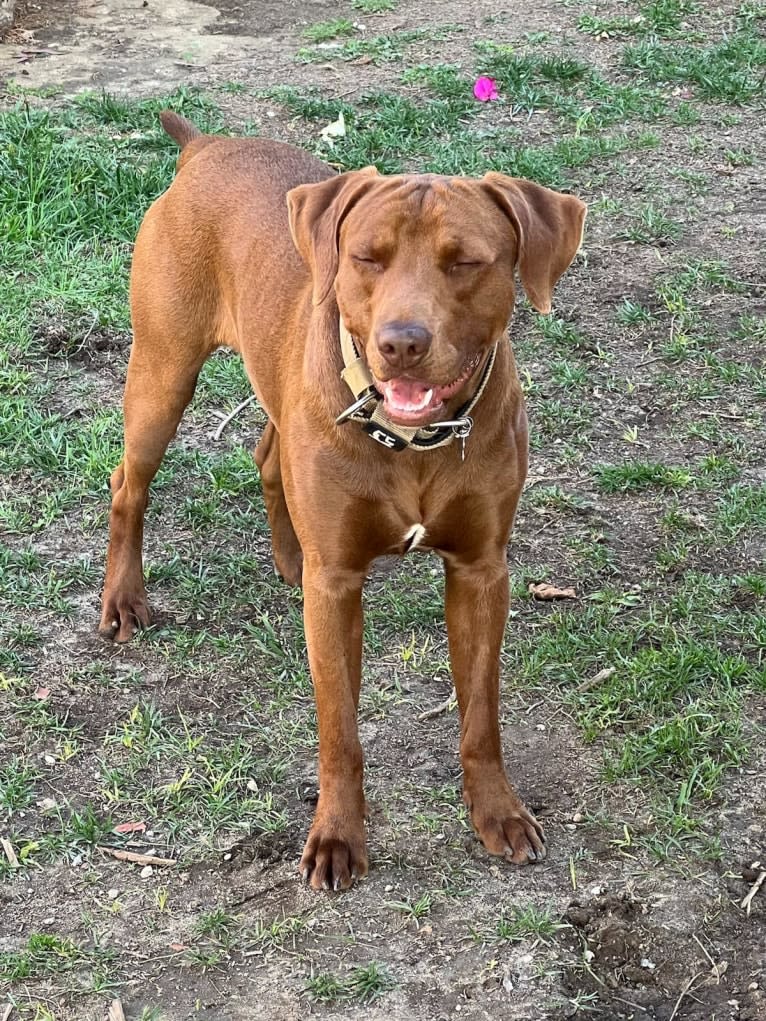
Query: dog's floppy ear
point(316, 213)
point(549, 227)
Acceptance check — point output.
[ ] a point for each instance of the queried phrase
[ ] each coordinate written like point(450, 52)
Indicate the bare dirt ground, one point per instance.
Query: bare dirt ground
point(633, 934)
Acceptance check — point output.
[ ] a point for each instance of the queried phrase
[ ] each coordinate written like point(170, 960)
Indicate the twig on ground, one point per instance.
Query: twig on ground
point(535, 480)
point(650, 361)
point(10, 854)
point(137, 859)
point(91, 328)
point(592, 682)
point(716, 970)
point(685, 992)
point(116, 1013)
point(230, 417)
point(719, 414)
point(7, 1012)
point(443, 707)
point(630, 1003)
point(748, 900)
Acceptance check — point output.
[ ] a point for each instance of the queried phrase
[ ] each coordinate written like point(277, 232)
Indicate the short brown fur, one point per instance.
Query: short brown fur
point(256, 246)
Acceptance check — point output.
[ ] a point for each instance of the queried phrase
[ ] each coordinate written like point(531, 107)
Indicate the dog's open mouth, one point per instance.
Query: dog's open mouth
point(414, 402)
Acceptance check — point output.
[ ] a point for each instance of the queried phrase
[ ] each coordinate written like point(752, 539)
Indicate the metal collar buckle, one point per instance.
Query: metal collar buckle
point(360, 403)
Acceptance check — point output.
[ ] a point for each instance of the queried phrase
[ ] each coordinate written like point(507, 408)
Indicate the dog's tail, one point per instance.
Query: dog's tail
point(179, 129)
point(185, 133)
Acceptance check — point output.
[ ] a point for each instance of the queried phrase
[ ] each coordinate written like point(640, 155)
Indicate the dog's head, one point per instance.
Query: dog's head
point(423, 270)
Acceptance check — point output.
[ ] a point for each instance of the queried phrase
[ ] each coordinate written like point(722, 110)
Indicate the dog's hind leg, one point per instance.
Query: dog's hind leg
point(288, 556)
point(162, 375)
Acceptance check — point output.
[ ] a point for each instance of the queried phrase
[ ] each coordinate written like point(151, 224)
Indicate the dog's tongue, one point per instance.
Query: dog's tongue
point(407, 394)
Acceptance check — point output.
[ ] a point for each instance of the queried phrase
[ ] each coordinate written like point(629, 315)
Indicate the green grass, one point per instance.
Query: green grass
point(651, 226)
point(50, 955)
point(729, 71)
point(362, 984)
point(324, 30)
point(520, 923)
point(380, 49)
point(17, 779)
point(373, 6)
point(653, 18)
point(640, 475)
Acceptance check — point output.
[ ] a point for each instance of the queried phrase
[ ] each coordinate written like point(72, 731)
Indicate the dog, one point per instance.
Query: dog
point(371, 313)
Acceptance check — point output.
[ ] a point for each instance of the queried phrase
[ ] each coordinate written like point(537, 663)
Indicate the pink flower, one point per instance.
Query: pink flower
point(485, 89)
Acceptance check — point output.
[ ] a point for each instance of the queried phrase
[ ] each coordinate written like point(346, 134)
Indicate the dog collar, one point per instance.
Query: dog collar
point(367, 407)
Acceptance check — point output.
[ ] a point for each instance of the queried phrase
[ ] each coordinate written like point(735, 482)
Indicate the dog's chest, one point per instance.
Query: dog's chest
point(420, 524)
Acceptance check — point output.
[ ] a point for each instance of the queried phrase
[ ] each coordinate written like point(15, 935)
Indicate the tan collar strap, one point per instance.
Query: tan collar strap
point(367, 407)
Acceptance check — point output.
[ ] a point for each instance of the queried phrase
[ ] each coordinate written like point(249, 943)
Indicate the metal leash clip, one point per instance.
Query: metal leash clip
point(461, 427)
point(359, 403)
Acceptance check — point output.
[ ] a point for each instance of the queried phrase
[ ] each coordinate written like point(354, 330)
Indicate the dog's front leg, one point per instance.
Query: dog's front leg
point(477, 610)
point(335, 852)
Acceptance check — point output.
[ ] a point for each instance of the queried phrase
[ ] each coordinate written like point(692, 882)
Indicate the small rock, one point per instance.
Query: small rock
point(577, 817)
point(146, 871)
point(646, 963)
point(252, 785)
point(46, 804)
point(49, 760)
point(113, 894)
point(752, 987)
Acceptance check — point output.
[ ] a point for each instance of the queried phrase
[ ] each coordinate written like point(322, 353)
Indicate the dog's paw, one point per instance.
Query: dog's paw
point(332, 859)
point(507, 828)
point(289, 570)
point(122, 615)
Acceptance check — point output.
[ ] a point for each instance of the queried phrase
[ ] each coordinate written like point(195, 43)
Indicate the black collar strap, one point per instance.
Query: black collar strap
point(367, 408)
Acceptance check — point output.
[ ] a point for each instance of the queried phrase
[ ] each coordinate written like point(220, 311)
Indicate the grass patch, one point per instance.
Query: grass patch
point(362, 984)
point(373, 6)
point(50, 955)
point(324, 30)
point(521, 923)
point(380, 49)
point(729, 71)
point(639, 475)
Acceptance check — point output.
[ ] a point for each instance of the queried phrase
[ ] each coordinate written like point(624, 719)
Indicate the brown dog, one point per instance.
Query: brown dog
point(262, 248)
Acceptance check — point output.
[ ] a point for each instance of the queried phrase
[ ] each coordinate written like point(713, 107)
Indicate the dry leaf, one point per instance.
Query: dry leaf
point(130, 827)
point(337, 129)
point(542, 590)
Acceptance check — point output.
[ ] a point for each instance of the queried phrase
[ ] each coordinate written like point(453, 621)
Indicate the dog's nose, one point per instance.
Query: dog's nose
point(403, 345)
